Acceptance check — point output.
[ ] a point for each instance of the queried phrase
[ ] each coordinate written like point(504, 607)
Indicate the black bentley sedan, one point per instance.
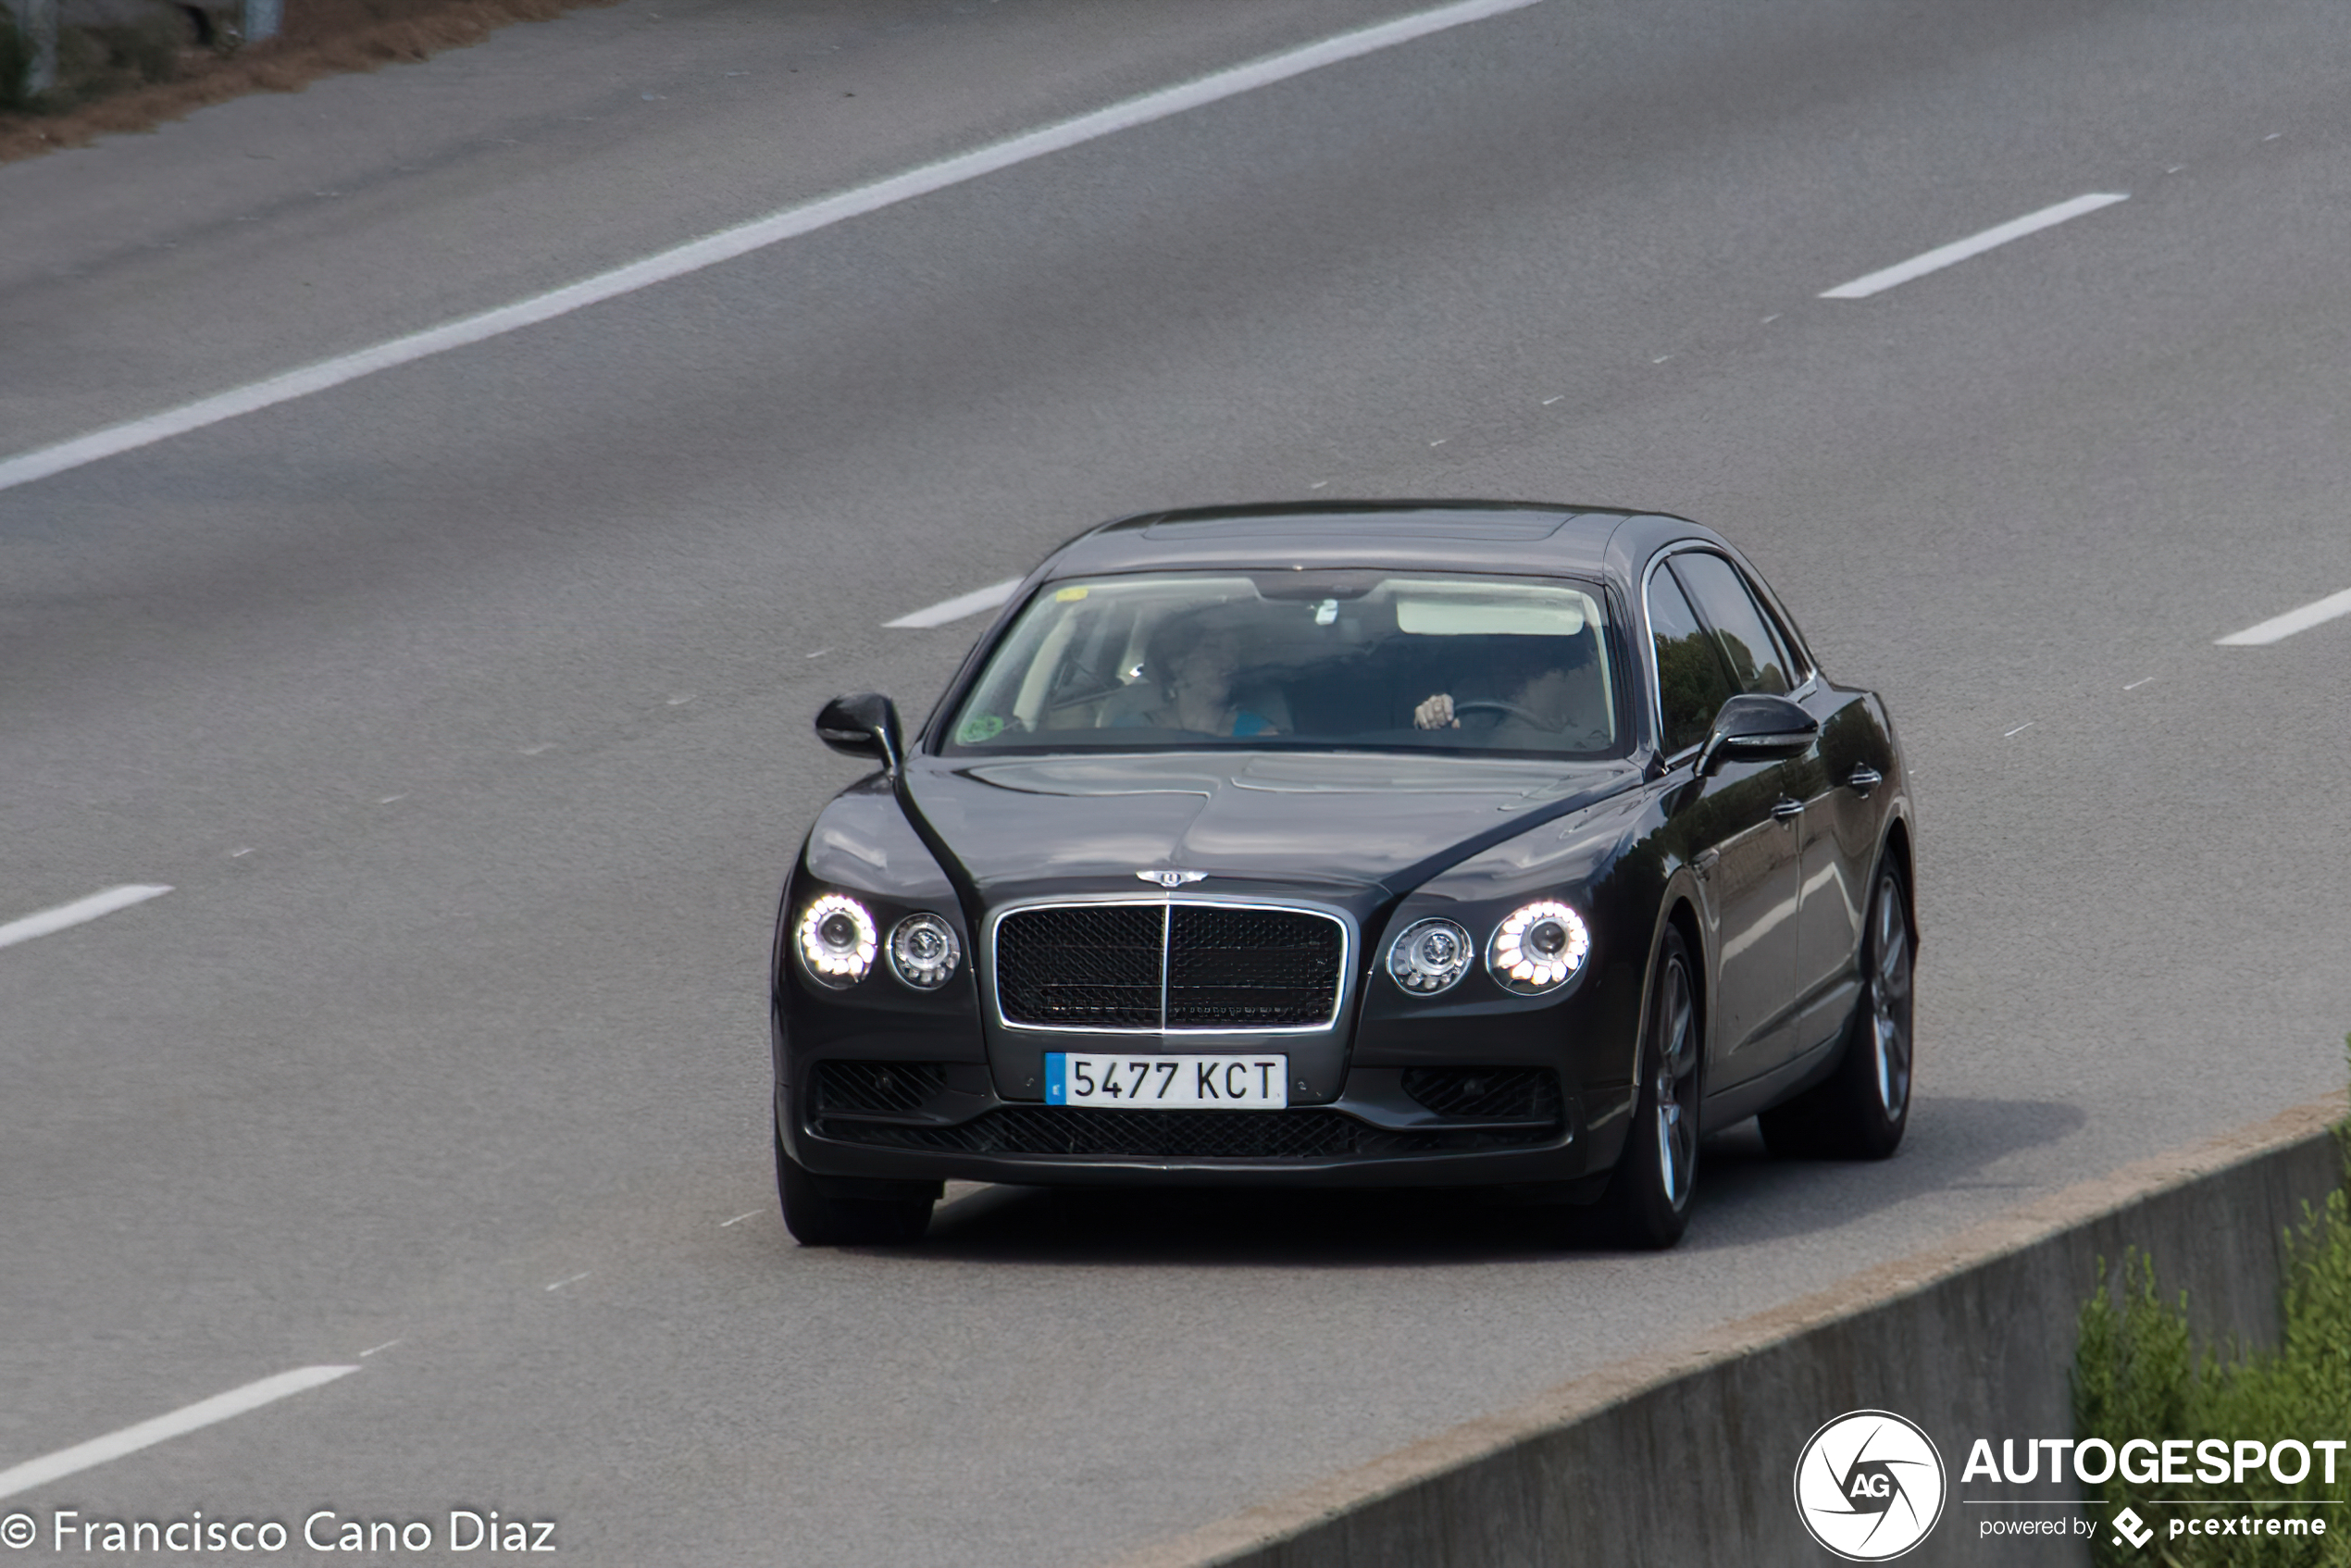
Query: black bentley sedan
point(1380, 843)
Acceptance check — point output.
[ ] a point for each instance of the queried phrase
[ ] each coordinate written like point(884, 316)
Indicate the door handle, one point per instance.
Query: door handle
point(1864, 779)
point(1786, 809)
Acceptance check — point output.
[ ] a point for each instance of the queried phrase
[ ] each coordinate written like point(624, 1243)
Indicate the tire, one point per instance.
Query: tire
point(1860, 1110)
point(1647, 1202)
point(818, 1217)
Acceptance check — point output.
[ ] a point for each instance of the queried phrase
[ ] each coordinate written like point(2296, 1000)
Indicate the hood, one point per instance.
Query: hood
point(1352, 819)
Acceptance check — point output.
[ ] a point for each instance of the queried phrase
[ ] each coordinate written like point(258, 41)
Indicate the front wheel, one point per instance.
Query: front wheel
point(1649, 1198)
point(819, 1217)
point(1860, 1110)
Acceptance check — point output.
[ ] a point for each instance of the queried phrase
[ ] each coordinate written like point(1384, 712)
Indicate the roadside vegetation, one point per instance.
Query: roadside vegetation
point(2138, 1374)
point(139, 63)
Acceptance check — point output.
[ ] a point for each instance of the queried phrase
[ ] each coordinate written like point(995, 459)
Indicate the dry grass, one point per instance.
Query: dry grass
point(321, 38)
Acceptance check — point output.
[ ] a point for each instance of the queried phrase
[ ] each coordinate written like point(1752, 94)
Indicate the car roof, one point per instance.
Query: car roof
point(1514, 536)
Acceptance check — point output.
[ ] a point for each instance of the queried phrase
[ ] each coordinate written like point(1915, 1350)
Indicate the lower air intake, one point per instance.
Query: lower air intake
point(1300, 1133)
point(1488, 1094)
point(875, 1087)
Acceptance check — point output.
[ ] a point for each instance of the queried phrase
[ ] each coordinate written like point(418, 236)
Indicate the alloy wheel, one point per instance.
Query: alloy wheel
point(1676, 1087)
point(1890, 998)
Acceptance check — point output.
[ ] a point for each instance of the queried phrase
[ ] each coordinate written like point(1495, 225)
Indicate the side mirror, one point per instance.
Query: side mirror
point(1757, 728)
point(865, 725)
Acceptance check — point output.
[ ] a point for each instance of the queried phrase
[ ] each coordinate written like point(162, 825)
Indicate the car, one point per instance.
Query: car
point(1360, 843)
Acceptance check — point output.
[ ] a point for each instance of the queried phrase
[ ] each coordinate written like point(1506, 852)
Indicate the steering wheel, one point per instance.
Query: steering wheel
point(1509, 710)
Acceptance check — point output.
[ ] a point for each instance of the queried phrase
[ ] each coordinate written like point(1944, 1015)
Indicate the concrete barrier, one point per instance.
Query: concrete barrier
point(1689, 1456)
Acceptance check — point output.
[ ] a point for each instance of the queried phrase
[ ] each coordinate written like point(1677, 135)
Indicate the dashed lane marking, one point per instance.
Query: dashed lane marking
point(963, 604)
point(2276, 629)
point(1974, 245)
point(74, 914)
point(146, 1434)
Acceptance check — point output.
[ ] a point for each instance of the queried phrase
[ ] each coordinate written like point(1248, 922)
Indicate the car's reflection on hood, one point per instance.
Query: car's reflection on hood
point(1261, 815)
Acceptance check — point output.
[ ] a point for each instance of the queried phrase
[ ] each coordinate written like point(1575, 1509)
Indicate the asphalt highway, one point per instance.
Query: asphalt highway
point(463, 708)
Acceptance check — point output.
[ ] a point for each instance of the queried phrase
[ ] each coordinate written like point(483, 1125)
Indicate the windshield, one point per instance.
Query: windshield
point(1357, 659)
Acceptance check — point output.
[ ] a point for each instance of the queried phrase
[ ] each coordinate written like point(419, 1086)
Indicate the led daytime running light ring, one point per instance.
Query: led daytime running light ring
point(1520, 960)
point(1415, 969)
point(907, 960)
point(834, 963)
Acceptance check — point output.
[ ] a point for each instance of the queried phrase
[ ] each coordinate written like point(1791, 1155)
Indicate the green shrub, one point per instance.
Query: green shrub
point(2137, 1375)
point(15, 58)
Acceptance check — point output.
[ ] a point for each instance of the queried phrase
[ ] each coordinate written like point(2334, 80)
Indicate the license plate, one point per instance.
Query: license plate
point(1223, 1083)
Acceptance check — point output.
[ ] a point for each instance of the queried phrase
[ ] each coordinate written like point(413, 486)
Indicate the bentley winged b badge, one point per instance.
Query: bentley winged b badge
point(1172, 878)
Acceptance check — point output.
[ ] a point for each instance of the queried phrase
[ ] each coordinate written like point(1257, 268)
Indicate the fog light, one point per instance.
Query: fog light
point(923, 951)
point(1431, 956)
point(1538, 947)
point(837, 940)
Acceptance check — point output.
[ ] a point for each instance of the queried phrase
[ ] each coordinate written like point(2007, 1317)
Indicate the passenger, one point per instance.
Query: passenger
point(1188, 683)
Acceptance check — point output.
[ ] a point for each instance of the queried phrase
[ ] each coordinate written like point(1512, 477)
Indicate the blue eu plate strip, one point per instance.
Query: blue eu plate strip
point(1056, 1079)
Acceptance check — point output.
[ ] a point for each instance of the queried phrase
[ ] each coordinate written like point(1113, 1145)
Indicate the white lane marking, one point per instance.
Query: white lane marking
point(758, 235)
point(2136, 684)
point(1974, 245)
point(573, 1280)
point(2279, 628)
point(2020, 729)
point(77, 912)
point(963, 604)
point(130, 1440)
point(1549, 401)
point(739, 1218)
point(385, 1346)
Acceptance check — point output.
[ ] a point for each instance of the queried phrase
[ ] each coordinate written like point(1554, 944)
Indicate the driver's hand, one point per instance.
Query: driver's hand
point(1435, 714)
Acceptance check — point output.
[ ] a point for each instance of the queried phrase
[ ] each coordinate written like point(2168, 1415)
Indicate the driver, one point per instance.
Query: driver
point(1550, 690)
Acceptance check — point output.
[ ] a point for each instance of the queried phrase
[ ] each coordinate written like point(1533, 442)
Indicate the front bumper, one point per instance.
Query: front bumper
point(952, 1127)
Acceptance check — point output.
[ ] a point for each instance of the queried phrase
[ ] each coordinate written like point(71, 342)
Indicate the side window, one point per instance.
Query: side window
point(1757, 662)
point(1692, 685)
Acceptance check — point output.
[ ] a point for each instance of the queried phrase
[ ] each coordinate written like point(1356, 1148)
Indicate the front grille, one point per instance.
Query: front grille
point(1493, 1094)
point(875, 1087)
point(1249, 968)
point(1174, 965)
point(1300, 1133)
point(1088, 966)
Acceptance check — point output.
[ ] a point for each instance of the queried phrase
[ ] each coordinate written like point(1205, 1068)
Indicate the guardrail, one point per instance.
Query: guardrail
point(1690, 1456)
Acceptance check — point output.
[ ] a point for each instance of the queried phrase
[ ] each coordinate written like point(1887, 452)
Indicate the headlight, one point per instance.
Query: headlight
point(923, 951)
point(837, 940)
point(1537, 947)
point(1431, 956)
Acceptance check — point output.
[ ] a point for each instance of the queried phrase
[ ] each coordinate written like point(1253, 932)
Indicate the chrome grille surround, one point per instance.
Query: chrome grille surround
point(1118, 995)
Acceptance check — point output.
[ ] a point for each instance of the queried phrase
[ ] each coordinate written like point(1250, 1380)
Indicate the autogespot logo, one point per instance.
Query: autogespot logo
point(1869, 1486)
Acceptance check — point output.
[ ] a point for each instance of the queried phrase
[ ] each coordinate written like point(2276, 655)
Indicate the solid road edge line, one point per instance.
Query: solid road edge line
point(146, 1434)
point(726, 245)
